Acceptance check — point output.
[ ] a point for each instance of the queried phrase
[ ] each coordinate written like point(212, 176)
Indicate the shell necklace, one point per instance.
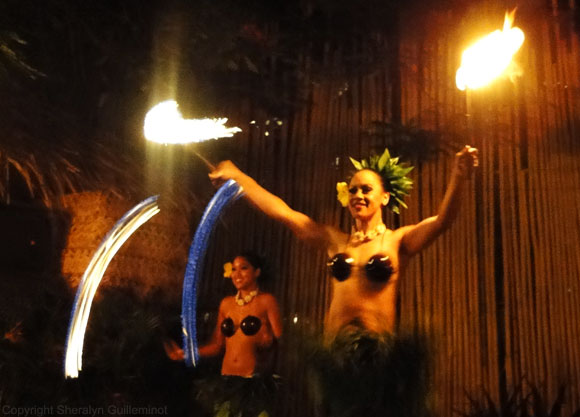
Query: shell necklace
point(360, 236)
point(242, 301)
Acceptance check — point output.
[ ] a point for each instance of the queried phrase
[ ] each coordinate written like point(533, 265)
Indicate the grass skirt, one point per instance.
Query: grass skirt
point(236, 396)
point(369, 374)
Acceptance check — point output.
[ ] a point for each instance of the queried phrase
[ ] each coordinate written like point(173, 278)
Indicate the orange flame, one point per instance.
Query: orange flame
point(164, 123)
point(491, 57)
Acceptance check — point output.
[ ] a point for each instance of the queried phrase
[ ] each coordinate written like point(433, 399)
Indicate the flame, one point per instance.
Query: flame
point(491, 57)
point(165, 124)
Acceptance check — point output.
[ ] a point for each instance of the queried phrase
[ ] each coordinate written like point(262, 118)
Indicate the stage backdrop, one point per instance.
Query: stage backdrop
point(499, 293)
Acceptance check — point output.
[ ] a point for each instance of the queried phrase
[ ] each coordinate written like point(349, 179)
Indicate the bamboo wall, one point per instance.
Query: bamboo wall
point(153, 257)
point(498, 293)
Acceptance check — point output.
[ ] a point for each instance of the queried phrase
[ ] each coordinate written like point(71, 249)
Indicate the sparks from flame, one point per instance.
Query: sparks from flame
point(164, 123)
point(112, 242)
point(491, 57)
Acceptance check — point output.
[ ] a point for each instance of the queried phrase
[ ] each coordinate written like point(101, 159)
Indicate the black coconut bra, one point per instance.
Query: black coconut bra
point(379, 268)
point(250, 325)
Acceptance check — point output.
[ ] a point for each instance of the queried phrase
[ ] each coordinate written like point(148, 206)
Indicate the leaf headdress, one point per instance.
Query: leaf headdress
point(393, 174)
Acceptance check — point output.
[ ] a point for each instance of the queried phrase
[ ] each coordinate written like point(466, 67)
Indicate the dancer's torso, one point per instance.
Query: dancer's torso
point(248, 354)
point(361, 300)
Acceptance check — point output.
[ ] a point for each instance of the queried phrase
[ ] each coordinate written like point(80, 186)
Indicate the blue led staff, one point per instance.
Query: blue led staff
point(226, 194)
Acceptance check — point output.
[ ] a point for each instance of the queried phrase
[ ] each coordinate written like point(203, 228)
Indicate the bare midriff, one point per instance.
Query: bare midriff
point(240, 358)
point(248, 355)
point(358, 301)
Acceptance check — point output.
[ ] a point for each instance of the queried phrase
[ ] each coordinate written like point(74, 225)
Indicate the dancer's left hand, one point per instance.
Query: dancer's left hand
point(465, 161)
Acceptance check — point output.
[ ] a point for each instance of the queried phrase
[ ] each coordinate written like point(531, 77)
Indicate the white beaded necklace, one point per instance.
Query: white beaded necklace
point(242, 301)
point(360, 236)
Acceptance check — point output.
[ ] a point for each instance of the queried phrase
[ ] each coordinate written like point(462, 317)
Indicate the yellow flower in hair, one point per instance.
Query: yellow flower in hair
point(228, 270)
point(342, 193)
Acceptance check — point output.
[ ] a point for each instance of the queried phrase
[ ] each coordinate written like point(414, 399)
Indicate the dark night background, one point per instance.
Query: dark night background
point(76, 80)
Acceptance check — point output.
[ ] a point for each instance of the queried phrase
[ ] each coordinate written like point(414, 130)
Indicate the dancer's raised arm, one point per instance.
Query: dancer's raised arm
point(420, 235)
point(274, 207)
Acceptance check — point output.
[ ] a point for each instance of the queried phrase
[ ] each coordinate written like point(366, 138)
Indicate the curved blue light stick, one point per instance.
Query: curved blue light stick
point(227, 193)
point(109, 246)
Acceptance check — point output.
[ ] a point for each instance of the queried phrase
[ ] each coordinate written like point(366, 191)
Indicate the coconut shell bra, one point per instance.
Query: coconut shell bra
point(379, 268)
point(250, 325)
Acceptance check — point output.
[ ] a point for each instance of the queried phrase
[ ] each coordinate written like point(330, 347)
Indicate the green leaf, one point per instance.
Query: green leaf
point(356, 163)
point(383, 160)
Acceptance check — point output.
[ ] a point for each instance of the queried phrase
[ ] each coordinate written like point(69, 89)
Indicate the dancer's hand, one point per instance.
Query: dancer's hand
point(226, 170)
point(173, 351)
point(465, 161)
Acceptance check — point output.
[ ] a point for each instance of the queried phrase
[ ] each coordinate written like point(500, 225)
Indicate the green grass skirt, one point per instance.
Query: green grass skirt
point(369, 374)
point(236, 396)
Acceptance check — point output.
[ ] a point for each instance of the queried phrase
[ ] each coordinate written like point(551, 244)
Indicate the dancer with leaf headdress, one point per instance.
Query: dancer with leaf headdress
point(366, 264)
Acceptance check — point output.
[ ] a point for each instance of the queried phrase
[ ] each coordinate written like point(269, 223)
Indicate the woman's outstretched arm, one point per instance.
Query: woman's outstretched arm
point(274, 207)
point(419, 236)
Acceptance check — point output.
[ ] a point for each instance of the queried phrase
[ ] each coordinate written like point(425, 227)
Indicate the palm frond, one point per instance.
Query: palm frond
point(517, 403)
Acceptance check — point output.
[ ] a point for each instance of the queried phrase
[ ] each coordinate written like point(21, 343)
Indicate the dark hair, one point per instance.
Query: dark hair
point(256, 261)
point(377, 173)
point(252, 257)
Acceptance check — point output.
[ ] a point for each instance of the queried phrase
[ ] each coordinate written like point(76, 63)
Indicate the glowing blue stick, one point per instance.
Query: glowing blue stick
point(112, 242)
point(227, 193)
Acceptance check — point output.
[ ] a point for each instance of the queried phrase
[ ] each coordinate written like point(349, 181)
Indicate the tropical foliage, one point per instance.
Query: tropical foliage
point(525, 400)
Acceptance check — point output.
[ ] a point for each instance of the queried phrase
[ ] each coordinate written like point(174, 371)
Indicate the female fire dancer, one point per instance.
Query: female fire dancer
point(367, 265)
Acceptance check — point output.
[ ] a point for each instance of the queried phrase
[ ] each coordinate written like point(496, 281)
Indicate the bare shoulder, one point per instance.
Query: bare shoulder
point(335, 234)
point(397, 235)
point(268, 303)
point(267, 299)
point(336, 238)
point(227, 303)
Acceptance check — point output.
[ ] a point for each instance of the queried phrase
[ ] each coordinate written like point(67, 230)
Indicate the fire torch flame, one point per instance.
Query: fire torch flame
point(491, 57)
point(164, 123)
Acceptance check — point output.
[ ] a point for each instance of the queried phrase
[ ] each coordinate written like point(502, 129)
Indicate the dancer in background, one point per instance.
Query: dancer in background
point(246, 333)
